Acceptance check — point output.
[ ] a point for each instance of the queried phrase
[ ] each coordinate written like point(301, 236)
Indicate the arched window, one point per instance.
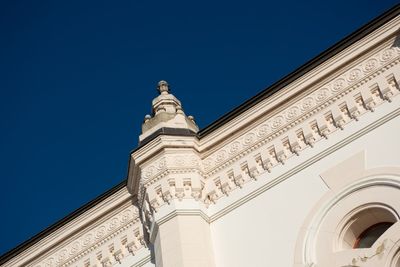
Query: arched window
point(364, 225)
point(354, 226)
point(371, 234)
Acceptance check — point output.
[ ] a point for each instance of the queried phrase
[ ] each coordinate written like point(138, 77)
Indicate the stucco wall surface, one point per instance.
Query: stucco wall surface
point(264, 230)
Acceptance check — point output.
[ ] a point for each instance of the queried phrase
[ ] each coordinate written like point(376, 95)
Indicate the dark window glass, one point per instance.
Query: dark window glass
point(369, 236)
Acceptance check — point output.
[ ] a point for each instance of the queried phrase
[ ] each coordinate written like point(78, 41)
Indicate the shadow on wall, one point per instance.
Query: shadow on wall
point(396, 42)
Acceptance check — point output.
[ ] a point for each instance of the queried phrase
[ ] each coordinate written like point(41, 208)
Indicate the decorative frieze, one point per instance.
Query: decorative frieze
point(103, 245)
point(311, 118)
point(322, 121)
point(179, 163)
point(338, 88)
point(175, 176)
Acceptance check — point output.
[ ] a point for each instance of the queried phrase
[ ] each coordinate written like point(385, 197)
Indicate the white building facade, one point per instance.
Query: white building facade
point(307, 173)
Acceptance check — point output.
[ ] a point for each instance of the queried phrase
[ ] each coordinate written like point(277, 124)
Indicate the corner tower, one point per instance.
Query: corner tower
point(166, 176)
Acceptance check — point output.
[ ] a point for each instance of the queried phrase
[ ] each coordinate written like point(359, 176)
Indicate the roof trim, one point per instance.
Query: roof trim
point(31, 241)
point(308, 66)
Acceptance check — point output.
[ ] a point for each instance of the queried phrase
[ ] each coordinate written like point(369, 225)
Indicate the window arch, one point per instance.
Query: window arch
point(336, 231)
point(361, 227)
point(396, 259)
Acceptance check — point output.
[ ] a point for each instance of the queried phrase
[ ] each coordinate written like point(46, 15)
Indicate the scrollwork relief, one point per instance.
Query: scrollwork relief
point(82, 246)
point(334, 88)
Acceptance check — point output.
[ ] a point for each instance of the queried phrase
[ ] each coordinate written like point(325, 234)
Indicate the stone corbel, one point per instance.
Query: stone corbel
point(254, 167)
point(368, 99)
point(352, 108)
point(385, 89)
point(211, 197)
point(309, 135)
point(322, 125)
point(227, 185)
point(294, 142)
point(249, 174)
point(106, 262)
point(179, 190)
point(118, 255)
point(266, 160)
point(131, 247)
point(196, 189)
point(338, 117)
point(280, 153)
point(237, 175)
point(196, 194)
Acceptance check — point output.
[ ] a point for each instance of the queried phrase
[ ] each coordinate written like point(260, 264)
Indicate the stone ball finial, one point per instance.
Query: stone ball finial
point(163, 87)
point(147, 118)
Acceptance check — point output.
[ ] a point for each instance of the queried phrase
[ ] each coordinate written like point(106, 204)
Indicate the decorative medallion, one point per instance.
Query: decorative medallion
point(87, 240)
point(249, 139)
point(338, 84)
point(150, 171)
point(307, 103)
point(354, 75)
point(179, 161)
point(100, 232)
point(292, 113)
point(75, 248)
point(221, 155)
point(263, 130)
point(161, 164)
point(193, 161)
point(207, 163)
point(277, 121)
point(387, 54)
point(113, 224)
point(62, 255)
point(125, 216)
point(370, 65)
point(234, 147)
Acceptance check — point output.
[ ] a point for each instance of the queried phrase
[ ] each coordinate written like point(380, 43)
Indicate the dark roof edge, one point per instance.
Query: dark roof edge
point(308, 66)
point(31, 241)
point(166, 131)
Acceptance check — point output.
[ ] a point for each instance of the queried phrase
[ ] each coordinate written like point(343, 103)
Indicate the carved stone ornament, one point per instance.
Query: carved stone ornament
point(300, 125)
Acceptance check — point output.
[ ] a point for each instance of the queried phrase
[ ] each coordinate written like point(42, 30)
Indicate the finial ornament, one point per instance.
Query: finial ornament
point(167, 112)
point(147, 118)
point(163, 87)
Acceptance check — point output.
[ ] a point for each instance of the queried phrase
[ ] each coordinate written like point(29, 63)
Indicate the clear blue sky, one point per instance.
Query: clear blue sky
point(77, 78)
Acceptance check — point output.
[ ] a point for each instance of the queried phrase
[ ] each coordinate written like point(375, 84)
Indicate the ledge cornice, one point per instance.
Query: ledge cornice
point(368, 83)
point(62, 223)
point(307, 68)
point(107, 232)
point(310, 80)
point(366, 76)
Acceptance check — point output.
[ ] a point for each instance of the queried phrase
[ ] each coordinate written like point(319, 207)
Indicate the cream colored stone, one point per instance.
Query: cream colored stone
point(291, 181)
point(167, 113)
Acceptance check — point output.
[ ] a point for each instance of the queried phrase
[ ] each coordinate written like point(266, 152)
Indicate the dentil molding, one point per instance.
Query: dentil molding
point(311, 118)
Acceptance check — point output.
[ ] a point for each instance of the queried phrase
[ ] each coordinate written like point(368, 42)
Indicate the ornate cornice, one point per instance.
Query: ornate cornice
point(103, 244)
point(316, 101)
point(311, 119)
point(305, 120)
point(103, 235)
